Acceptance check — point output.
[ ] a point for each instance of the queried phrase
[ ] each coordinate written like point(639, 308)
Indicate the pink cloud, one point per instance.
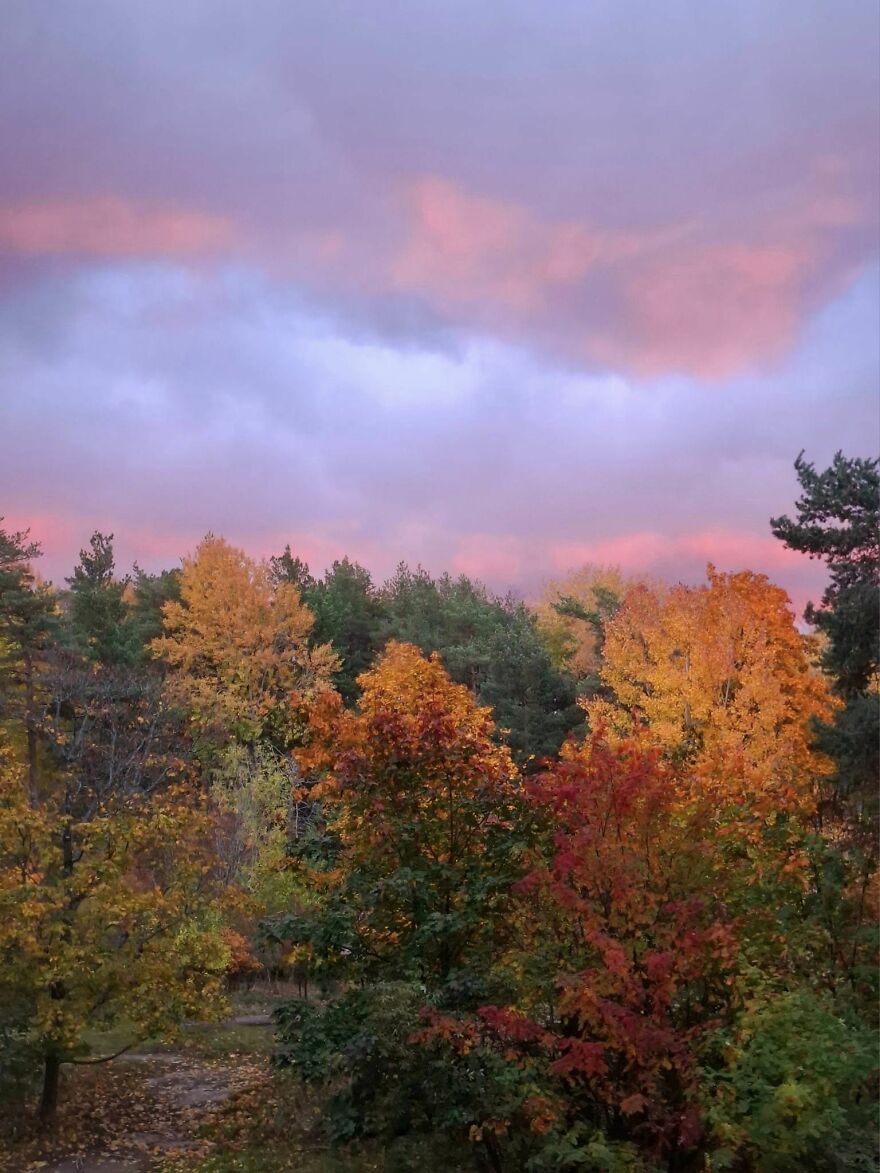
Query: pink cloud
point(702, 298)
point(501, 560)
point(489, 557)
point(106, 226)
point(684, 556)
point(464, 248)
point(62, 536)
point(728, 549)
point(711, 310)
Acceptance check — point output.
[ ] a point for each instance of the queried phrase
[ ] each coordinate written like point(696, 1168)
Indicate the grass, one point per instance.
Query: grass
point(210, 1040)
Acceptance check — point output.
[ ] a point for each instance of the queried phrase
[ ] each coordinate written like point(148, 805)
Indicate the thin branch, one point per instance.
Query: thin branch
point(105, 1058)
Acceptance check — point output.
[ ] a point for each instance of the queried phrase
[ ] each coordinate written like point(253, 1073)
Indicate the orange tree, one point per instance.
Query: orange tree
point(628, 914)
point(720, 674)
point(419, 799)
point(727, 684)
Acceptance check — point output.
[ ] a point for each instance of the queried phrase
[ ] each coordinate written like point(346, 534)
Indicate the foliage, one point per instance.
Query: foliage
point(794, 1091)
point(721, 675)
point(387, 1075)
point(838, 520)
point(420, 798)
point(653, 946)
point(571, 615)
point(490, 644)
point(348, 615)
point(532, 703)
point(254, 784)
point(29, 622)
point(98, 610)
point(147, 596)
point(237, 645)
point(642, 948)
point(101, 921)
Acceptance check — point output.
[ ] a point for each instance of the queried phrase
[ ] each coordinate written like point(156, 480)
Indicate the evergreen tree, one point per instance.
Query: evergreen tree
point(290, 568)
point(150, 594)
point(28, 622)
point(348, 615)
point(838, 520)
point(98, 611)
point(490, 644)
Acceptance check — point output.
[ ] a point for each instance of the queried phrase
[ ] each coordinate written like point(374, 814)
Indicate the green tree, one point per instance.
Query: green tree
point(348, 615)
point(28, 621)
point(492, 646)
point(98, 611)
point(532, 702)
point(838, 520)
point(149, 594)
point(289, 568)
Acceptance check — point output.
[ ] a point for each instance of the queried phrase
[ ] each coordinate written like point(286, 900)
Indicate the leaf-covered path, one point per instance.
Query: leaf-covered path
point(153, 1110)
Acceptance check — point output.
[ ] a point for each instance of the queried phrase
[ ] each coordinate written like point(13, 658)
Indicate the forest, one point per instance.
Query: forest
point(588, 883)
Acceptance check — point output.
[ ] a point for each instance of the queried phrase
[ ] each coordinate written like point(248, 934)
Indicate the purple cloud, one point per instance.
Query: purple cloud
point(498, 293)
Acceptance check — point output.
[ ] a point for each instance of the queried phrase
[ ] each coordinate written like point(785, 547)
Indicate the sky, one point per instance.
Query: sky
point(501, 289)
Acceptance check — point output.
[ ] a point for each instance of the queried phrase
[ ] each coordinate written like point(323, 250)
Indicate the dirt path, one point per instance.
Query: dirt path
point(144, 1110)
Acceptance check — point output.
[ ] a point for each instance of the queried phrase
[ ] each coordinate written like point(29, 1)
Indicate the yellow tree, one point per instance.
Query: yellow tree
point(720, 674)
point(107, 920)
point(237, 643)
point(571, 613)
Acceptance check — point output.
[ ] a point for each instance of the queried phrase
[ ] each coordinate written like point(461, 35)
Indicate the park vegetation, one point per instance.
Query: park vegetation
point(590, 884)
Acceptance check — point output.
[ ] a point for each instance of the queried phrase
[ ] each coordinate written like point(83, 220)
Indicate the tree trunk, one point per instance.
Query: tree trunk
point(49, 1098)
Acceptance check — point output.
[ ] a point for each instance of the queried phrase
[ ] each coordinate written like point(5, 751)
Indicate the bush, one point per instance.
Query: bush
point(794, 1094)
point(20, 1067)
point(433, 1088)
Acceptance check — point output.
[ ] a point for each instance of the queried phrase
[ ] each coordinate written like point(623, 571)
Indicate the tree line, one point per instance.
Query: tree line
point(590, 884)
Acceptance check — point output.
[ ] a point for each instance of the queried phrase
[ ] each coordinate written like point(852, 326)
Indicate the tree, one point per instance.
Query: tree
point(491, 645)
point(146, 598)
point(627, 960)
point(28, 622)
point(98, 610)
point(720, 674)
point(533, 704)
point(838, 520)
point(105, 921)
point(237, 645)
point(656, 919)
point(348, 615)
point(571, 616)
point(289, 568)
point(419, 797)
point(643, 947)
point(255, 787)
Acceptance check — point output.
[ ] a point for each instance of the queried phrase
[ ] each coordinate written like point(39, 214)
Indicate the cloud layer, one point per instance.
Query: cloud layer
point(500, 292)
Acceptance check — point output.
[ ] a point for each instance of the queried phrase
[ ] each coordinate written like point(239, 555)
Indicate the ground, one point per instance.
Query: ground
point(208, 1103)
